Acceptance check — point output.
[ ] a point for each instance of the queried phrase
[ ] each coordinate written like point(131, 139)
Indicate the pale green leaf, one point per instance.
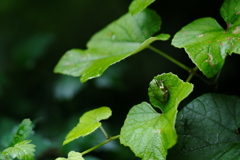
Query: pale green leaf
point(148, 133)
point(207, 43)
point(72, 156)
point(22, 150)
point(88, 123)
point(122, 38)
point(208, 128)
point(139, 5)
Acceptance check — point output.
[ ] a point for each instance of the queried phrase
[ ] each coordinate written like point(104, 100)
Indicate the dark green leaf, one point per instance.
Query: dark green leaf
point(148, 133)
point(207, 43)
point(207, 129)
point(24, 130)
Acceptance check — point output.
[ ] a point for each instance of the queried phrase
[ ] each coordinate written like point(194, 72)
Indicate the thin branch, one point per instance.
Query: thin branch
point(170, 58)
point(101, 144)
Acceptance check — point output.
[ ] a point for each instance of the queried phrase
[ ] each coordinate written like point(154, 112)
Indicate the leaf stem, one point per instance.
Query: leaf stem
point(104, 132)
point(101, 144)
point(170, 58)
point(192, 73)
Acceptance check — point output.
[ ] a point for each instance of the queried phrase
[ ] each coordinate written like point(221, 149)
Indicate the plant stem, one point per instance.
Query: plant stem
point(101, 144)
point(104, 132)
point(193, 72)
point(170, 58)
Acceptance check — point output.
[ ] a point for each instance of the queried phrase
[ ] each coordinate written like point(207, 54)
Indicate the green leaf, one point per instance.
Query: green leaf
point(208, 129)
point(139, 5)
point(88, 123)
point(148, 133)
point(24, 130)
point(207, 43)
point(21, 150)
point(119, 40)
point(72, 156)
point(2, 156)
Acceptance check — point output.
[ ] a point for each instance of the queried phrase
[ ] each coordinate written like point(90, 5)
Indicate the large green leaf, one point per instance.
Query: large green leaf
point(122, 38)
point(208, 129)
point(21, 150)
point(88, 123)
point(139, 5)
point(148, 133)
point(207, 43)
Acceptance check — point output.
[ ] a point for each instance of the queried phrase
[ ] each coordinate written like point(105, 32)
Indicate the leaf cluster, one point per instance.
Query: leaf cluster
point(20, 147)
point(202, 127)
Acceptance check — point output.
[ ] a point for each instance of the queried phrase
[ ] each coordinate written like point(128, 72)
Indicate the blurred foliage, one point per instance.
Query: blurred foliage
point(33, 37)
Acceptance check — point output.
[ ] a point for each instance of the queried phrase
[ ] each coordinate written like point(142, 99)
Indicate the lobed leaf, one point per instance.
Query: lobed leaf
point(119, 40)
point(88, 123)
point(208, 129)
point(207, 43)
point(72, 156)
point(148, 133)
point(139, 5)
point(22, 150)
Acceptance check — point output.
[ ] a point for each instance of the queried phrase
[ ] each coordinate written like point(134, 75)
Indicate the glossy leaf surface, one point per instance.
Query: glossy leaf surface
point(88, 123)
point(148, 133)
point(208, 128)
point(207, 43)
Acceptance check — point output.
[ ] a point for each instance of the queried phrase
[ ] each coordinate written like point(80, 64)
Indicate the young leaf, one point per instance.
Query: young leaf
point(24, 130)
point(139, 5)
point(148, 133)
point(208, 129)
point(122, 38)
point(88, 123)
point(207, 43)
point(72, 156)
point(21, 150)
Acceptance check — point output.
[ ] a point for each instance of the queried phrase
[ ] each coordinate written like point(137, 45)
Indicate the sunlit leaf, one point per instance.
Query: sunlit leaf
point(207, 43)
point(208, 129)
point(72, 156)
point(122, 38)
point(88, 123)
point(148, 133)
point(22, 150)
point(139, 5)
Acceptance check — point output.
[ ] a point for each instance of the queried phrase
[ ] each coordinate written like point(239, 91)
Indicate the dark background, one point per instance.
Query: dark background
point(35, 34)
